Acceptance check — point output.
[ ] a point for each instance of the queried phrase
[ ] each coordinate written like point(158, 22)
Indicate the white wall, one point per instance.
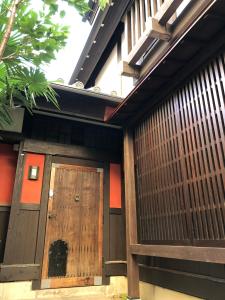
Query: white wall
point(109, 79)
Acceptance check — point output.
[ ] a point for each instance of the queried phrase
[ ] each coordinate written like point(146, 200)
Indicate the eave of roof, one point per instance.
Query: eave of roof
point(200, 41)
point(84, 94)
point(176, 65)
point(102, 31)
point(90, 15)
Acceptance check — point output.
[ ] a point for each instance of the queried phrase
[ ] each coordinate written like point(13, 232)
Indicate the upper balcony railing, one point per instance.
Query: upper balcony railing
point(146, 22)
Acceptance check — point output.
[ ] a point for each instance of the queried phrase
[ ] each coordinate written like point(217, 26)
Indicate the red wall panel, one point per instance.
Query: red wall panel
point(115, 186)
point(31, 189)
point(8, 162)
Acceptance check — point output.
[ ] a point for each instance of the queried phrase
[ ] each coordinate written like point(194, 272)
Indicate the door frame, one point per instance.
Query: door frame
point(36, 285)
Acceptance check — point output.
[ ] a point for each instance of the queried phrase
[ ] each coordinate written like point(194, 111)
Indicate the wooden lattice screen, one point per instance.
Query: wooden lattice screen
point(180, 164)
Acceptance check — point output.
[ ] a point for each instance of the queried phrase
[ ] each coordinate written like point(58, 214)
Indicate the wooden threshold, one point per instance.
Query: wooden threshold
point(204, 254)
point(51, 283)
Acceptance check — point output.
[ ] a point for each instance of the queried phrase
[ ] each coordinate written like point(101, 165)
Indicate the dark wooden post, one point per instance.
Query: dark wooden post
point(131, 216)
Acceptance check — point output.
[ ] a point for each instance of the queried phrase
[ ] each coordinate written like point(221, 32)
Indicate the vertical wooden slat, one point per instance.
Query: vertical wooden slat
point(137, 19)
point(133, 29)
point(142, 15)
point(180, 163)
point(147, 9)
point(128, 33)
point(131, 217)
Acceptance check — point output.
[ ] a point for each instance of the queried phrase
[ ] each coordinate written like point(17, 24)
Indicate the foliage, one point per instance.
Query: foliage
point(34, 40)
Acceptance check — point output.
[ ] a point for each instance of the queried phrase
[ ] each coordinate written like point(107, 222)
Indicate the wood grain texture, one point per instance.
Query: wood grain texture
point(70, 151)
point(179, 159)
point(19, 272)
point(75, 215)
point(204, 254)
point(131, 216)
point(4, 221)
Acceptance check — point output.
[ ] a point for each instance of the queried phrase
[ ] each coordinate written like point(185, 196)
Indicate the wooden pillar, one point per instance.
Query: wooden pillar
point(131, 216)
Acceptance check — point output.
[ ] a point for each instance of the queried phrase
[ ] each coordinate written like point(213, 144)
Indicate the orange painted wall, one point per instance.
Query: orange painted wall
point(8, 162)
point(115, 186)
point(31, 189)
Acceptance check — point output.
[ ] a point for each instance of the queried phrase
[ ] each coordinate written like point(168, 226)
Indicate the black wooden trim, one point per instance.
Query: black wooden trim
point(5, 208)
point(105, 55)
point(27, 206)
point(77, 162)
point(204, 287)
point(36, 284)
point(204, 254)
point(136, 105)
point(19, 272)
point(111, 17)
point(115, 211)
point(9, 252)
point(116, 269)
point(70, 151)
point(106, 238)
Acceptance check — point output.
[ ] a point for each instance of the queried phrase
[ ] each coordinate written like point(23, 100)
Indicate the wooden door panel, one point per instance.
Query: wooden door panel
point(75, 216)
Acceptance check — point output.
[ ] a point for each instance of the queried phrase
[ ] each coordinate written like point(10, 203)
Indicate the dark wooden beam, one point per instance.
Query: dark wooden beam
point(197, 285)
point(204, 254)
point(9, 251)
point(19, 272)
point(197, 10)
point(98, 40)
point(131, 216)
point(5, 208)
point(36, 284)
point(203, 55)
point(116, 268)
point(69, 151)
point(153, 31)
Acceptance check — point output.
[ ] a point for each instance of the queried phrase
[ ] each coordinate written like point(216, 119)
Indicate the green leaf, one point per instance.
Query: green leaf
point(62, 13)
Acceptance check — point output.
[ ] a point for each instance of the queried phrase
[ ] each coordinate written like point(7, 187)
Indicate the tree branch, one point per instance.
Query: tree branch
point(9, 26)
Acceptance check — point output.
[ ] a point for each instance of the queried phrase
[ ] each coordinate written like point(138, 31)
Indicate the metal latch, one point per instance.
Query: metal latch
point(51, 216)
point(77, 198)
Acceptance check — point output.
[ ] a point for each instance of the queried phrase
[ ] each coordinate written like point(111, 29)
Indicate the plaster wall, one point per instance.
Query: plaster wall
point(110, 79)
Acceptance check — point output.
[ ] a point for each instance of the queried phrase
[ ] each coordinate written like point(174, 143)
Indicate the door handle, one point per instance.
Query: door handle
point(52, 216)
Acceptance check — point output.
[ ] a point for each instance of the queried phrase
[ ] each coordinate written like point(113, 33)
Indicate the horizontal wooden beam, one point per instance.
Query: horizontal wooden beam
point(70, 151)
point(153, 31)
point(19, 272)
point(204, 254)
point(116, 268)
point(5, 208)
point(166, 11)
point(127, 70)
point(29, 206)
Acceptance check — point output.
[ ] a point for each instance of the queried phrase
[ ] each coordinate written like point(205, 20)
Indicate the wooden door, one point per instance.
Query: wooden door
point(73, 242)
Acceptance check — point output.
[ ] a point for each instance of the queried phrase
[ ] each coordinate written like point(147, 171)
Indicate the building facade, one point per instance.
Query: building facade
point(170, 57)
point(147, 152)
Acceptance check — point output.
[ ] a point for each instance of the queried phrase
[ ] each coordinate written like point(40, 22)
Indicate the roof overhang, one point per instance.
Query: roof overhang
point(79, 104)
point(102, 32)
point(198, 42)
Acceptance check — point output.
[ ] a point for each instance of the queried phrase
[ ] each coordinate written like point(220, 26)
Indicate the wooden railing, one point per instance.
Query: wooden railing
point(146, 22)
